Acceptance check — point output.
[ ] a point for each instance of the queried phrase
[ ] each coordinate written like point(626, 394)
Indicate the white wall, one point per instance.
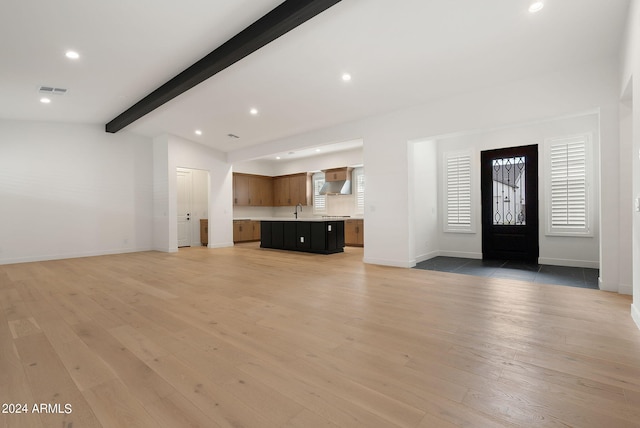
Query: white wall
point(555, 250)
point(390, 223)
point(188, 154)
point(423, 185)
point(630, 70)
point(70, 190)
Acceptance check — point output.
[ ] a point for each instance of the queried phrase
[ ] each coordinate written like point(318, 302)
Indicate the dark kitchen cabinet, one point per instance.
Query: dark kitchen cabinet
point(327, 236)
point(266, 234)
point(303, 235)
point(324, 237)
point(290, 232)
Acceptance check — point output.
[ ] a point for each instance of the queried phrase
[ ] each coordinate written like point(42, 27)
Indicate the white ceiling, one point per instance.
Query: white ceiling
point(400, 53)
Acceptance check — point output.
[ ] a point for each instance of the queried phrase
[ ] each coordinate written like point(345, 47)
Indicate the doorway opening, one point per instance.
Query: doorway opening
point(192, 188)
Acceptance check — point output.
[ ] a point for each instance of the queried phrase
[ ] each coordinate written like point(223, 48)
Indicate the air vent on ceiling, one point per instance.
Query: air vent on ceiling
point(50, 90)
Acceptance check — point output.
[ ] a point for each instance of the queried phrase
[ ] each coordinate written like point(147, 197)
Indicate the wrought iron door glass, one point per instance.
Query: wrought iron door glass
point(509, 191)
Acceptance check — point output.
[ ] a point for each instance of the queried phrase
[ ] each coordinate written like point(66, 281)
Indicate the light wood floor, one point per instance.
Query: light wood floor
point(261, 338)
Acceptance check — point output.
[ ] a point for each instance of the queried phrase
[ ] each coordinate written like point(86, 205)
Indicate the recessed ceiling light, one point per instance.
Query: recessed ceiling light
point(253, 111)
point(72, 55)
point(44, 100)
point(318, 150)
point(198, 132)
point(536, 6)
point(278, 157)
point(346, 77)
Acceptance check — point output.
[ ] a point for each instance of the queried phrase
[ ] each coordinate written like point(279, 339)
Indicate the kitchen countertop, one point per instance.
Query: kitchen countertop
point(314, 219)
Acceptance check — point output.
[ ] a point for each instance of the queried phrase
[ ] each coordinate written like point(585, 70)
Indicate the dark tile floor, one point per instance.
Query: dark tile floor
point(547, 274)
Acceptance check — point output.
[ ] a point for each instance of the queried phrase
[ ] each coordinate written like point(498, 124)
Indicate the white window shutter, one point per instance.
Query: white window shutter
point(458, 192)
point(358, 189)
point(568, 185)
point(319, 201)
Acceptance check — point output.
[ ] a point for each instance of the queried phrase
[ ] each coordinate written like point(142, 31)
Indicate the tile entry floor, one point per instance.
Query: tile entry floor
point(533, 272)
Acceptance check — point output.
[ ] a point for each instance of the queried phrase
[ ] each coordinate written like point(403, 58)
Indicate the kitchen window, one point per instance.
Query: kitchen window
point(358, 189)
point(319, 201)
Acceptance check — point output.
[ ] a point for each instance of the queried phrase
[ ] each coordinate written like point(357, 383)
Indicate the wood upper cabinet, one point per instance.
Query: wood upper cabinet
point(252, 190)
point(240, 189)
point(262, 191)
point(300, 189)
point(281, 191)
point(291, 190)
point(354, 232)
point(337, 174)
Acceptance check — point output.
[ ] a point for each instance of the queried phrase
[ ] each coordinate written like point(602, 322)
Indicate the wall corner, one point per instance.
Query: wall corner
point(635, 314)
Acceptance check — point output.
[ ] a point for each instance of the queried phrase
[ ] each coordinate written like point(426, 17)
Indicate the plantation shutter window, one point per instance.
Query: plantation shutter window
point(568, 189)
point(458, 192)
point(358, 183)
point(319, 201)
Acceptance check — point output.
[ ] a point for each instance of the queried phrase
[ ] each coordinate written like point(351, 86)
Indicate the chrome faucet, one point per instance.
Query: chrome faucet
point(296, 213)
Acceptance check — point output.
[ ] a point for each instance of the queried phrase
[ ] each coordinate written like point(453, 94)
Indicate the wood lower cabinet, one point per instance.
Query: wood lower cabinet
point(204, 232)
point(246, 230)
point(354, 233)
point(255, 227)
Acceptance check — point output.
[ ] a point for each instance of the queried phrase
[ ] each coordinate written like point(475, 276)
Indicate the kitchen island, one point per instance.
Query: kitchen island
point(324, 236)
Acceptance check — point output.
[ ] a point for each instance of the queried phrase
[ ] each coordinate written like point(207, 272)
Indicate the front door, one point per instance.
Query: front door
point(509, 181)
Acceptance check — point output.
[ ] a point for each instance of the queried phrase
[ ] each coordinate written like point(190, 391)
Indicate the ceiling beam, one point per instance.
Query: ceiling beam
point(282, 19)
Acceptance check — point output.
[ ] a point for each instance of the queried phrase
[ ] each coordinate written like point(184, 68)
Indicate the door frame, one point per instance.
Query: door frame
point(184, 219)
point(529, 235)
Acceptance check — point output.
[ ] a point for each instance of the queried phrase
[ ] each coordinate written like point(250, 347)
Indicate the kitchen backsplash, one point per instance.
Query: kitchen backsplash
point(337, 205)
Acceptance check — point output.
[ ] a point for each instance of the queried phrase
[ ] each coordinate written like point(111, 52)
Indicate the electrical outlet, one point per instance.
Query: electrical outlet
point(302, 239)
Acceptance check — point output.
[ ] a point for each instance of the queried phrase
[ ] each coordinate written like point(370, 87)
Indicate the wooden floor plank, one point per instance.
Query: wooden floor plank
point(248, 337)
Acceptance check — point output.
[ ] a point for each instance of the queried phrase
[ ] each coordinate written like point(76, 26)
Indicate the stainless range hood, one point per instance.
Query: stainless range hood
point(337, 181)
point(339, 187)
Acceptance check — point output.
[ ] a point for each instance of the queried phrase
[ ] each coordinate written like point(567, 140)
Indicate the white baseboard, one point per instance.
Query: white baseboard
point(427, 256)
point(568, 262)
point(392, 263)
point(635, 313)
point(223, 245)
point(626, 289)
point(615, 288)
point(460, 254)
point(48, 257)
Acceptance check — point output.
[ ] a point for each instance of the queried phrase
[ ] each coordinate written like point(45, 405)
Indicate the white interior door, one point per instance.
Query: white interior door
point(184, 207)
